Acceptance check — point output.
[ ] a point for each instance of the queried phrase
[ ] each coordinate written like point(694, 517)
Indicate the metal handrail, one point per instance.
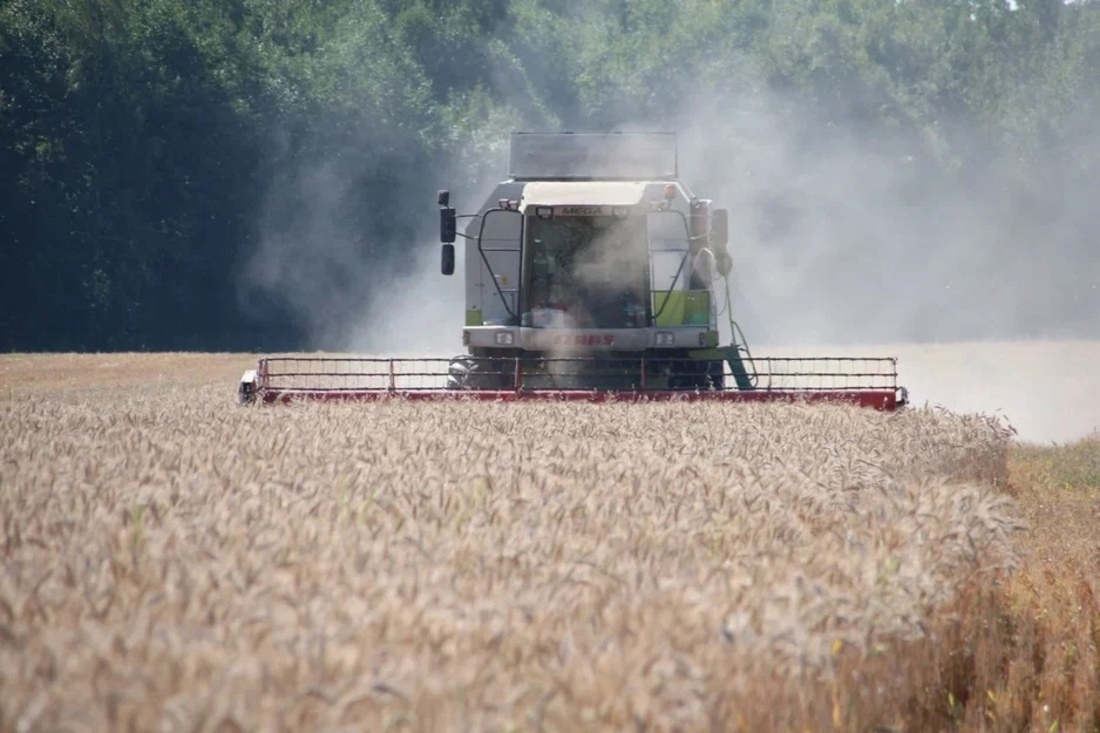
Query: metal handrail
point(394, 374)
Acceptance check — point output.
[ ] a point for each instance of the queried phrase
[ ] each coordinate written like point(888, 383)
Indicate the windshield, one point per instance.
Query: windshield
point(586, 272)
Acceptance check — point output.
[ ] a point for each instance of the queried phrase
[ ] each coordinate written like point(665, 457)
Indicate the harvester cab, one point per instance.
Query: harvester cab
point(592, 272)
point(593, 267)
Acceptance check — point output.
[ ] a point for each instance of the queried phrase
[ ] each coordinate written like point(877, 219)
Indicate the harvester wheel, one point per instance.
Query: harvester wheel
point(688, 375)
point(472, 373)
point(716, 375)
point(697, 375)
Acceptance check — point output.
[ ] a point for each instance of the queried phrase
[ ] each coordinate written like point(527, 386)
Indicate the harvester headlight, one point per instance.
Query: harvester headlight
point(504, 338)
point(665, 338)
point(620, 212)
point(544, 212)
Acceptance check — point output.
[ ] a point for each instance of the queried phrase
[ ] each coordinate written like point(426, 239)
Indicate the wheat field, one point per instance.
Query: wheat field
point(172, 562)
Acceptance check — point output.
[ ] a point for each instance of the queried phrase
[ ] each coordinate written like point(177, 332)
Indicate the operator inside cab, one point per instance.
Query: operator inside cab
point(586, 272)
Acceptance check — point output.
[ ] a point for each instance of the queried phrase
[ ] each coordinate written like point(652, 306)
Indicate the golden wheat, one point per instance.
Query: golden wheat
point(172, 562)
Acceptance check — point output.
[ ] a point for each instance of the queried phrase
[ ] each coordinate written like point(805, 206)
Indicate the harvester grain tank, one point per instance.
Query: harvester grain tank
point(593, 272)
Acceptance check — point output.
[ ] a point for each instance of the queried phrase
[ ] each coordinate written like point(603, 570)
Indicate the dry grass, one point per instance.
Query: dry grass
point(1024, 653)
point(172, 562)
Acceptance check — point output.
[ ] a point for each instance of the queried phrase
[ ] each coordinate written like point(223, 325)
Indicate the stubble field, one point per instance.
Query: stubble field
point(172, 562)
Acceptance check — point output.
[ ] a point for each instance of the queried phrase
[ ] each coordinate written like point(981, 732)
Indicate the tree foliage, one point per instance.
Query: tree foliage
point(169, 170)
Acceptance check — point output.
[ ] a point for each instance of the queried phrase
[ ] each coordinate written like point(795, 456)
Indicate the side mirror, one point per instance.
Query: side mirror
point(720, 228)
point(447, 225)
point(447, 266)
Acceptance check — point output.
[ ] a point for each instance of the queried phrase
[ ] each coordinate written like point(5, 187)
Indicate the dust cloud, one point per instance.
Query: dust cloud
point(358, 276)
point(417, 311)
point(845, 244)
point(839, 238)
point(1046, 390)
point(310, 255)
point(419, 315)
point(610, 260)
point(841, 241)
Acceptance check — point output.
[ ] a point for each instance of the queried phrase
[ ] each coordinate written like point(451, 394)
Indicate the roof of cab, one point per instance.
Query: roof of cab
point(582, 193)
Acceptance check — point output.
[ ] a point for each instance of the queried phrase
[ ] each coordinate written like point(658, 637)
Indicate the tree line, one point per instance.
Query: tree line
point(242, 174)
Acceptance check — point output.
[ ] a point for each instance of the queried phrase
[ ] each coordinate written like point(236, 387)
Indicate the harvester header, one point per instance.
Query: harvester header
point(592, 272)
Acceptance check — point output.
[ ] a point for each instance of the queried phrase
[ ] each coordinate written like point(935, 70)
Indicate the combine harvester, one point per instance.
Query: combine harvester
point(591, 275)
